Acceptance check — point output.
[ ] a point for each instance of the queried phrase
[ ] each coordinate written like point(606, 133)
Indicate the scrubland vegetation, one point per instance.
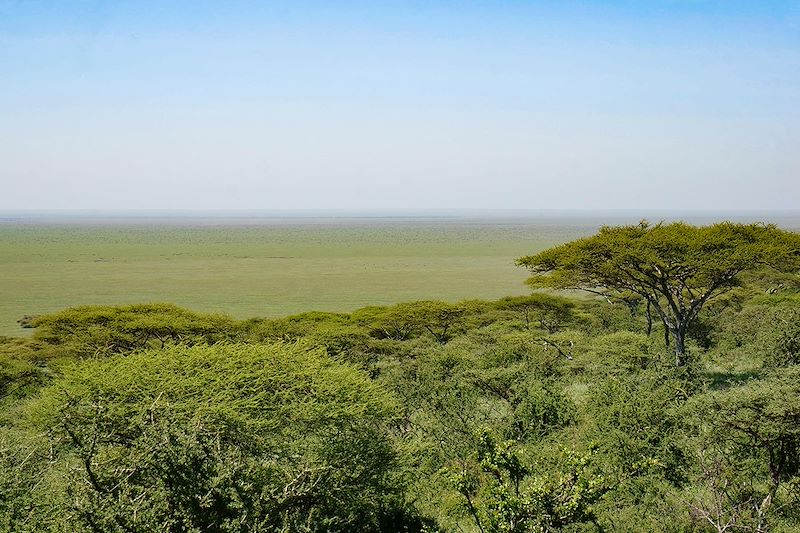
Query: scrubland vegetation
point(661, 393)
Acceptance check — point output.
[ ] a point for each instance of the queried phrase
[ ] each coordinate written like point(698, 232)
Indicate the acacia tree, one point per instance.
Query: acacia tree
point(437, 317)
point(550, 312)
point(504, 496)
point(224, 438)
point(677, 268)
point(748, 453)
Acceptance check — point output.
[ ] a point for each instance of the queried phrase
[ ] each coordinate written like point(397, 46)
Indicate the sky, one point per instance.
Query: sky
point(669, 105)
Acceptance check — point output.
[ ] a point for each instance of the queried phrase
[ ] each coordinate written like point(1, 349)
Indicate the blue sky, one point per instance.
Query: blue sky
point(304, 105)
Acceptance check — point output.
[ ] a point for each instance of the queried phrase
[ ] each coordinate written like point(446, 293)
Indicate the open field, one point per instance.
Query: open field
point(265, 267)
point(262, 268)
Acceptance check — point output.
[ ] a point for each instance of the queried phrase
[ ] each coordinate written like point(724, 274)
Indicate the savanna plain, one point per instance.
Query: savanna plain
point(490, 374)
point(263, 266)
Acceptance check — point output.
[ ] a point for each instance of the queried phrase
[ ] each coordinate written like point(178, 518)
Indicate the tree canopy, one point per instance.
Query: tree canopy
point(535, 413)
point(101, 330)
point(676, 268)
point(548, 312)
point(230, 437)
point(749, 453)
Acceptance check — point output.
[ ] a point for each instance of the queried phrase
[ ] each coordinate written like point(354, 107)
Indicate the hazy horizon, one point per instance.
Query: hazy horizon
point(352, 105)
point(788, 219)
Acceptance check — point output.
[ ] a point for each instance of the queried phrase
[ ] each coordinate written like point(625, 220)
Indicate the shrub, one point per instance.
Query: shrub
point(90, 331)
point(224, 438)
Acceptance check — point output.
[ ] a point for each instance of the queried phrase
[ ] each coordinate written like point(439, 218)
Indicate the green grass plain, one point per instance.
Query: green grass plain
point(259, 266)
point(264, 268)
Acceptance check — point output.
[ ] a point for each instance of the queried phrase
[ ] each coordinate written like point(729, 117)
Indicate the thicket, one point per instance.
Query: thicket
point(533, 413)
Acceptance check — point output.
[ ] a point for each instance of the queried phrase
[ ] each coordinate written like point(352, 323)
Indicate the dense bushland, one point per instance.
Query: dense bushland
point(536, 413)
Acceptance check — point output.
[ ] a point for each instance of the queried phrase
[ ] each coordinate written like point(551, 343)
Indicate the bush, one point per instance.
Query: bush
point(91, 331)
point(745, 443)
point(623, 351)
point(223, 438)
point(22, 368)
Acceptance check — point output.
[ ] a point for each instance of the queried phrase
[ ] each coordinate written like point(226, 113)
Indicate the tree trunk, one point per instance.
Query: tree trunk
point(679, 334)
point(675, 327)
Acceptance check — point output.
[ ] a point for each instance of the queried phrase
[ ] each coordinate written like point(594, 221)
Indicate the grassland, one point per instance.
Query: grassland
point(264, 267)
point(250, 267)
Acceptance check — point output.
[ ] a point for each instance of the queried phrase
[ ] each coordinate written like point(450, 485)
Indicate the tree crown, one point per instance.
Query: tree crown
point(652, 260)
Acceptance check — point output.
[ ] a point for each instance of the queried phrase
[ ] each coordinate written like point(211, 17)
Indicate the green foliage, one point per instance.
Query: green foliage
point(23, 479)
point(407, 320)
point(779, 340)
point(623, 352)
point(25, 365)
point(771, 282)
point(340, 335)
point(450, 391)
point(418, 416)
point(502, 496)
point(440, 319)
point(228, 437)
point(258, 383)
point(702, 257)
point(479, 314)
point(294, 327)
point(747, 451)
point(596, 317)
point(676, 268)
point(442, 402)
point(92, 331)
point(634, 421)
point(546, 312)
point(399, 322)
point(784, 348)
point(763, 330)
point(539, 409)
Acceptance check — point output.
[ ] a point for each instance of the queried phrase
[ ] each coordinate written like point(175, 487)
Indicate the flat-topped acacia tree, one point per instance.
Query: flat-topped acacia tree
point(677, 268)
